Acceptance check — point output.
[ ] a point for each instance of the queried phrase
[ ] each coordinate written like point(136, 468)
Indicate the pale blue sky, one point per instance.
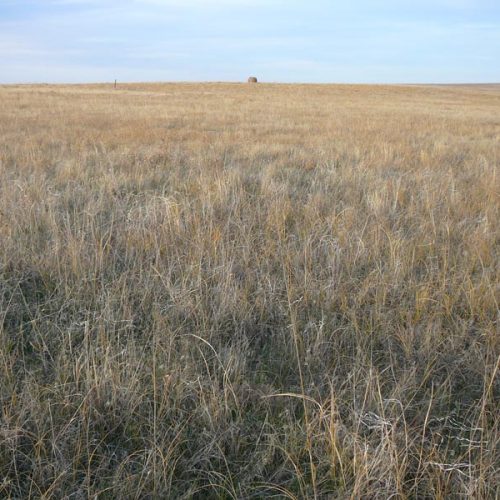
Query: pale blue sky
point(228, 40)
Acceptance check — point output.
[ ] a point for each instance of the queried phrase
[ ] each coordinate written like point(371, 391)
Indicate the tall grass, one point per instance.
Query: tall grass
point(224, 291)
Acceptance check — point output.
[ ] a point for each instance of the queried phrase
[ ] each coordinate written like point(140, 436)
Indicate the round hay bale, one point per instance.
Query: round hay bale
point(252, 79)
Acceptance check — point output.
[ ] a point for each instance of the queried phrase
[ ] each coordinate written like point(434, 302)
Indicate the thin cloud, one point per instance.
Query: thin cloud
point(380, 40)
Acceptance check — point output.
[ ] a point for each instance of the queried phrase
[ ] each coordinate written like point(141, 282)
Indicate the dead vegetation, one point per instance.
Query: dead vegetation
point(209, 291)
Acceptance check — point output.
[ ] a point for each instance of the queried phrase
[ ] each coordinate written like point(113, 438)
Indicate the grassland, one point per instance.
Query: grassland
point(240, 291)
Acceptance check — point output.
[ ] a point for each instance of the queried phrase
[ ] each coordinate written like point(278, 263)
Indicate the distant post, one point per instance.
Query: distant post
point(115, 84)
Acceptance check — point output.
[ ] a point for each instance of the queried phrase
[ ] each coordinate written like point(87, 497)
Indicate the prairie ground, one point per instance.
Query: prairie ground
point(245, 291)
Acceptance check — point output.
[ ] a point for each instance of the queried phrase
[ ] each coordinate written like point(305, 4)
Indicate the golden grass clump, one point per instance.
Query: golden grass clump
point(224, 294)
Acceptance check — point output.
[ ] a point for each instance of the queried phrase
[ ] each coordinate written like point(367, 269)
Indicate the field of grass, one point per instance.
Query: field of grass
point(246, 291)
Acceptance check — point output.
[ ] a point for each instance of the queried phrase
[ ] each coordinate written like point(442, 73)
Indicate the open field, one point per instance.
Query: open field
point(239, 291)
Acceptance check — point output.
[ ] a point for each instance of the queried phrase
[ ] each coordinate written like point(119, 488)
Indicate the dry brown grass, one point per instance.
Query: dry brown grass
point(233, 291)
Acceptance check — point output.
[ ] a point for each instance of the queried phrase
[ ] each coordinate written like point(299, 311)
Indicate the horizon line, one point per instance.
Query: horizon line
point(268, 82)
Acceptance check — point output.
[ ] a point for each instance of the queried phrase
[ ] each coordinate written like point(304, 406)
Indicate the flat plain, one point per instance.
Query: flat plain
point(246, 291)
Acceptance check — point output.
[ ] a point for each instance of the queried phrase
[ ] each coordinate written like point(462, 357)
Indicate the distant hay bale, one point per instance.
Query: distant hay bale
point(252, 79)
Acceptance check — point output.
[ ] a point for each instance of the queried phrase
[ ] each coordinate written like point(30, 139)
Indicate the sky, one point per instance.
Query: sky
point(357, 41)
